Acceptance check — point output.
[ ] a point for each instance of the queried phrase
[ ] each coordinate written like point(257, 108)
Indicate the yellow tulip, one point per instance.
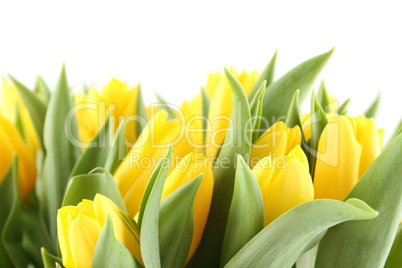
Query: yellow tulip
point(135, 170)
point(78, 228)
point(285, 182)
point(347, 147)
point(10, 101)
point(306, 123)
point(276, 141)
point(191, 166)
point(12, 143)
point(220, 93)
point(91, 109)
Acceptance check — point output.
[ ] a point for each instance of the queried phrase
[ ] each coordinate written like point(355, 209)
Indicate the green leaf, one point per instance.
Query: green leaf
point(109, 252)
point(298, 230)
point(118, 148)
point(97, 152)
point(397, 131)
point(165, 106)
point(322, 97)
point(148, 216)
point(279, 94)
point(373, 110)
point(266, 75)
point(176, 213)
point(381, 188)
point(394, 259)
point(318, 123)
point(49, 260)
point(246, 215)
point(42, 89)
point(35, 107)
point(293, 115)
point(237, 141)
point(11, 235)
point(34, 235)
point(141, 113)
point(343, 109)
point(88, 185)
point(205, 108)
point(18, 122)
point(61, 153)
point(6, 201)
point(256, 111)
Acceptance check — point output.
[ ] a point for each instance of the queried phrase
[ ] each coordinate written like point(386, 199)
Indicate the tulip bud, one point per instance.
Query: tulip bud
point(190, 167)
point(285, 182)
point(78, 228)
point(92, 109)
point(13, 143)
point(347, 147)
point(135, 170)
point(276, 141)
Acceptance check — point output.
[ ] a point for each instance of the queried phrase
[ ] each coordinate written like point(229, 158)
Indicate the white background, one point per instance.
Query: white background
point(171, 46)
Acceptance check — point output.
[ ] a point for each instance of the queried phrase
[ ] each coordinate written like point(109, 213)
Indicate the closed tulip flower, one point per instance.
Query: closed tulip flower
point(347, 147)
point(276, 141)
point(135, 170)
point(92, 108)
point(190, 167)
point(285, 182)
point(12, 143)
point(78, 228)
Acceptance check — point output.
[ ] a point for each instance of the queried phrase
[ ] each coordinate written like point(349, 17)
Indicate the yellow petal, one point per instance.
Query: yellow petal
point(83, 234)
point(125, 229)
point(190, 167)
point(291, 187)
point(338, 158)
point(14, 144)
point(64, 218)
point(263, 171)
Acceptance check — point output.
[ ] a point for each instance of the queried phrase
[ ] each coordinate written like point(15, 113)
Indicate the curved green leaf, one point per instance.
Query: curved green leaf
point(109, 252)
point(118, 148)
point(322, 97)
point(318, 123)
point(88, 185)
point(176, 213)
point(49, 260)
point(394, 259)
point(165, 106)
point(205, 108)
point(373, 110)
point(246, 215)
point(96, 154)
point(35, 107)
point(293, 115)
point(61, 155)
point(148, 216)
point(266, 75)
point(237, 141)
point(42, 89)
point(381, 188)
point(6, 201)
point(279, 94)
point(256, 111)
point(141, 112)
point(11, 235)
point(397, 131)
point(343, 109)
point(283, 241)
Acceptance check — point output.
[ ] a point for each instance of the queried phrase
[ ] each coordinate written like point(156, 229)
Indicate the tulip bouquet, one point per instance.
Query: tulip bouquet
point(236, 177)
